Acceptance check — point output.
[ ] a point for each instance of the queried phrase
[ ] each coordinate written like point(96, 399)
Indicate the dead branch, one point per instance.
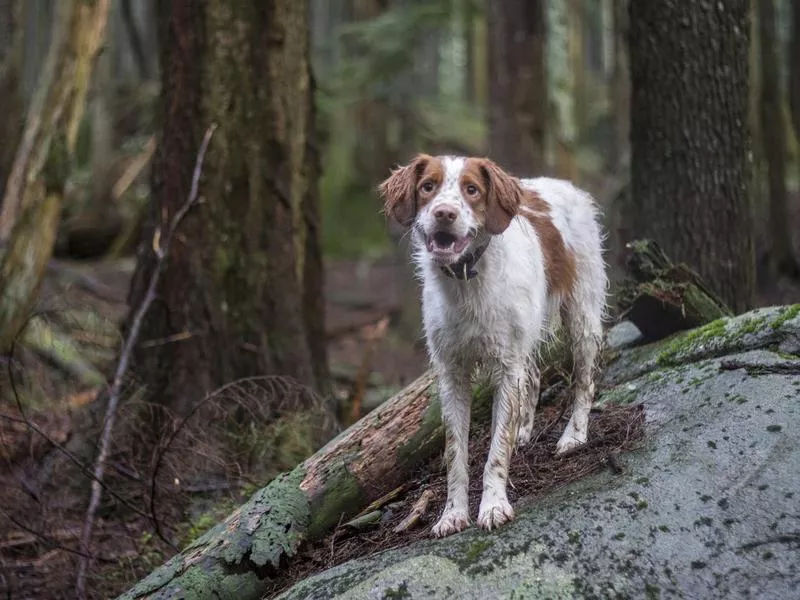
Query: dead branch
point(161, 249)
point(417, 512)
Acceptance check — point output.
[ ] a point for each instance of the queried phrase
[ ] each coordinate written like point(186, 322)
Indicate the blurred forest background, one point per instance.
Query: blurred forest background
point(284, 285)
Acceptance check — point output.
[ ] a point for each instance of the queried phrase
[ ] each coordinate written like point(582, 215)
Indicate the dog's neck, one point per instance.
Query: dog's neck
point(465, 267)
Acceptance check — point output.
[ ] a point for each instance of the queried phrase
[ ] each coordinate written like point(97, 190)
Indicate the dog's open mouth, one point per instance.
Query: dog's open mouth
point(443, 243)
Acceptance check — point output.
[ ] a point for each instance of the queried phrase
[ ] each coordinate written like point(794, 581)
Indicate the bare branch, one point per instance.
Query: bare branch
point(162, 250)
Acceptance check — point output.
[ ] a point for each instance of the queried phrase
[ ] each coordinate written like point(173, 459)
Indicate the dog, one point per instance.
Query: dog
point(503, 261)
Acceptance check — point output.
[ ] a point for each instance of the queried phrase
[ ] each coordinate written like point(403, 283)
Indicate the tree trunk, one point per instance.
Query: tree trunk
point(35, 188)
point(620, 86)
point(518, 84)
point(561, 90)
point(11, 103)
point(468, 25)
point(135, 40)
point(690, 147)
point(793, 72)
point(243, 290)
point(371, 154)
point(371, 458)
point(781, 260)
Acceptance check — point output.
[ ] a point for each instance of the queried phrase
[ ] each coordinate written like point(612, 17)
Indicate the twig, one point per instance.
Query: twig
point(417, 511)
point(754, 369)
point(48, 541)
point(161, 249)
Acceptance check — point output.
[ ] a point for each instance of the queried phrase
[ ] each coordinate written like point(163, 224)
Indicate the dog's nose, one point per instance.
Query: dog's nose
point(445, 214)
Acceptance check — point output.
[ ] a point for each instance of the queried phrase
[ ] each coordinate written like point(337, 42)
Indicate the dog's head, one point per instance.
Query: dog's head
point(451, 201)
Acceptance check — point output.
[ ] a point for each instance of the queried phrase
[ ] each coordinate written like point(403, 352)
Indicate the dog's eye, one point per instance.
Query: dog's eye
point(427, 187)
point(472, 190)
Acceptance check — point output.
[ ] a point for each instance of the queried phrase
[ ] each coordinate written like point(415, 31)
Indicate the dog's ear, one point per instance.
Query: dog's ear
point(399, 191)
point(503, 197)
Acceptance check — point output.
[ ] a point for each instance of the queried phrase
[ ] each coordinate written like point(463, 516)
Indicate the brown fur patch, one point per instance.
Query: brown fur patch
point(559, 261)
point(403, 191)
point(499, 194)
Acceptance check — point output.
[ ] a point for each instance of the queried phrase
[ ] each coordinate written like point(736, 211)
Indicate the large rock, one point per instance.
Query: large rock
point(708, 508)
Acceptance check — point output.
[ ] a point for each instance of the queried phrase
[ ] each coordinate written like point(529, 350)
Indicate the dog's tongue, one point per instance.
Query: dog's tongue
point(456, 246)
point(461, 244)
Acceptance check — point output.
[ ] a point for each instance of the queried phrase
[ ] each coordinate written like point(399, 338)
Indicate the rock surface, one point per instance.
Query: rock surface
point(709, 507)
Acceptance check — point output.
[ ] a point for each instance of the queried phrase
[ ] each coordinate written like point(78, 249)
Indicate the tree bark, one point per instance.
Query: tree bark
point(518, 84)
point(620, 87)
point(793, 72)
point(468, 25)
point(135, 40)
point(374, 456)
point(371, 154)
point(244, 283)
point(690, 147)
point(561, 90)
point(11, 103)
point(35, 188)
point(781, 259)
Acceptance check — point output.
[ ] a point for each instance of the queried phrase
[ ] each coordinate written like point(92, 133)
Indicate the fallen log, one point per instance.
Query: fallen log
point(662, 298)
point(237, 558)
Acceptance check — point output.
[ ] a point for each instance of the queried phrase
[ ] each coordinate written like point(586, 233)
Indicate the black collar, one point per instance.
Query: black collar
point(464, 268)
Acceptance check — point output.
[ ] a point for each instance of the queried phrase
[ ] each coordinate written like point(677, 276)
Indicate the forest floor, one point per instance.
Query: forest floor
point(370, 356)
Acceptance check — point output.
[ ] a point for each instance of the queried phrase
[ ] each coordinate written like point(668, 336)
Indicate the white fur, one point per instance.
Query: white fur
point(498, 320)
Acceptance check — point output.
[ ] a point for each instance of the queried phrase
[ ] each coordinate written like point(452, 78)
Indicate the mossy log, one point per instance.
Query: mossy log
point(662, 298)
point(237, 558)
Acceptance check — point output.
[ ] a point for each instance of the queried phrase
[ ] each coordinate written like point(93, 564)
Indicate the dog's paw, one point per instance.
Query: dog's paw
point(570, 440)
point(451, 522)
point(494, 513)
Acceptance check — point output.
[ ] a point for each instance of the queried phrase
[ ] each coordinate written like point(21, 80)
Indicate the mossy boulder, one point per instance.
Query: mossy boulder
point(707, 508)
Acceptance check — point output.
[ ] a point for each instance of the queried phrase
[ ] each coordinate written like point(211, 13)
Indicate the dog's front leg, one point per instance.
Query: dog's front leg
point(495, 508)
point(455, 397)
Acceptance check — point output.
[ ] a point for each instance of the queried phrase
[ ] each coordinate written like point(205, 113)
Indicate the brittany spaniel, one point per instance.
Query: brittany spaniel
point(502, 261)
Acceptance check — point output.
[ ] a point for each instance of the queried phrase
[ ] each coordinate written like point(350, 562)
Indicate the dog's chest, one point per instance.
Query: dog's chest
point(479, 322)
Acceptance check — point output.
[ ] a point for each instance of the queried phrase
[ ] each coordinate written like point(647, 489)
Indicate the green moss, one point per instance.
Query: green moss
point(574, 537)
point(684, 342)
point(787, 314)
point(620, 395)
point(343, 492)
point(429, 432)
point(267, 528)
point(475, 550)
point(397, 594)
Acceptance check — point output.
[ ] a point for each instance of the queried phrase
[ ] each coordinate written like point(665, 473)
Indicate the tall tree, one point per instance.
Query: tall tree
point(690, 146)
point(518, 84)
point(620, 88)
point(371, 156)
point(11, 105)
point(781, 259)
point(242, 294)
point(793, 71)
point(34, 189)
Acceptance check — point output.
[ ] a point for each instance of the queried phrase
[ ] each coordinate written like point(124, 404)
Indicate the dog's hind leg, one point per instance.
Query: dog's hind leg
point(530, 399)
point(585, 330)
